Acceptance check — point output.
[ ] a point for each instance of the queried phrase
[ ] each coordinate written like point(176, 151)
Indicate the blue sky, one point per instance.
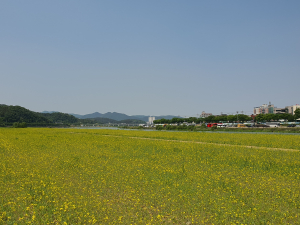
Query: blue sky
point(149, 57)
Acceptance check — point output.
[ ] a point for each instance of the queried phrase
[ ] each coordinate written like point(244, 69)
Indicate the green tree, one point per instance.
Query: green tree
point(209, 119)
point(260, 117)
point(297, 113)
point(269, 116)
point(200, 120)
point(244, 118)
point(222, 118)
point(174, 120)
point(156, 122)
point(287, 116)
point(216, 119)
point(165, 121)
point(276, 117)
point(180, 120)
point(231, 118)
point(192, 119)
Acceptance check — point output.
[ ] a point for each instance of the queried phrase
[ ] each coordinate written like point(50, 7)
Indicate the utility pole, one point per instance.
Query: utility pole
point(237, 114)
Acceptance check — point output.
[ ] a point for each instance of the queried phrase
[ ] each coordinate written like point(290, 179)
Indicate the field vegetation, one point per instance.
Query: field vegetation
point(81, 176)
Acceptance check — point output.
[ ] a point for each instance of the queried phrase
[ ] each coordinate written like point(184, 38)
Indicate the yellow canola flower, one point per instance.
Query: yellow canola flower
point(77, 176)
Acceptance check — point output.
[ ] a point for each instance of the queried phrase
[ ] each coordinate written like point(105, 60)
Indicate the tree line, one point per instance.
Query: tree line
point(209, 119)
point(232, 118)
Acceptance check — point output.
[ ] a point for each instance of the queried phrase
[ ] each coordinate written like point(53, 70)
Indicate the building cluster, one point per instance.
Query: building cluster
point(263, 109)
point(270, 108)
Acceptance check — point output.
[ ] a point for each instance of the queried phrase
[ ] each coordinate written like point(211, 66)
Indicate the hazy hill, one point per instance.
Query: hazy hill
point(49, 111)
point(120, 116)
point(109, 115)
point(132, 121)
point(100, 120)
point(58, 117)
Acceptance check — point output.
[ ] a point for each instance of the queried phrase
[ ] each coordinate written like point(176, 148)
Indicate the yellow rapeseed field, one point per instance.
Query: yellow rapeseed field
point(89, 176)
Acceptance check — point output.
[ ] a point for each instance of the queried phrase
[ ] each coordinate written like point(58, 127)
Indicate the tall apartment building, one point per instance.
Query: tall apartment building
point(265, 109)
point(291, 109)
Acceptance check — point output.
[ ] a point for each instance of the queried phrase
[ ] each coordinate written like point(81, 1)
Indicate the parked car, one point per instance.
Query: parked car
point(292, 125)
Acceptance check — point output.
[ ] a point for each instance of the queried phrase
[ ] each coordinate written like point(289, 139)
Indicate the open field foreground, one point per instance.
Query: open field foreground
point(77, 176)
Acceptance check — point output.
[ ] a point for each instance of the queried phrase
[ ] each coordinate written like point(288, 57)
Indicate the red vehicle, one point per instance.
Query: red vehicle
point(212, 124)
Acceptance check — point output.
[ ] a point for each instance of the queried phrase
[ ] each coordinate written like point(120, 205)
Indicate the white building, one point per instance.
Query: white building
point(291, 109)
point(204, 114)
point(151, 119)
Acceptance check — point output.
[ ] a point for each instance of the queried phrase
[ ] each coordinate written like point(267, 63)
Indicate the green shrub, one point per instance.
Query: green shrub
point(191, 128)
point(203, 125)
point(214, 128)
point(159, 127)
point(20, 125)
point(171, 127)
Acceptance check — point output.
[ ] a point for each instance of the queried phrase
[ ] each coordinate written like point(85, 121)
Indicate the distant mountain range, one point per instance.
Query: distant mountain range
point(12, 114)
point(49, 111)
point(119, 116)
point(101, 120)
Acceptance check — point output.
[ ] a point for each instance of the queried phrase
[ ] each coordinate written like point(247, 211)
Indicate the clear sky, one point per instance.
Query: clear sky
point(153, 57)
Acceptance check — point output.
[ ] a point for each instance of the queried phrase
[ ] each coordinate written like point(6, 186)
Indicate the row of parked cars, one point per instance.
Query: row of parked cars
point(293, 125)
point(220, 125)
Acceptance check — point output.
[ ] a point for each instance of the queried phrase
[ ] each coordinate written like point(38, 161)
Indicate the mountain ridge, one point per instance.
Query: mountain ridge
point(10, 114)
point(119, 116)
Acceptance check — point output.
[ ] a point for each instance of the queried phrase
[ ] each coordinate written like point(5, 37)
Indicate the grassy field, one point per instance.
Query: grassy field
point(77, 176)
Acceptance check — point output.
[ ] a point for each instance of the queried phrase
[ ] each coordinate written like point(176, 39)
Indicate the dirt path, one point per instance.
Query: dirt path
point(209, 143)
